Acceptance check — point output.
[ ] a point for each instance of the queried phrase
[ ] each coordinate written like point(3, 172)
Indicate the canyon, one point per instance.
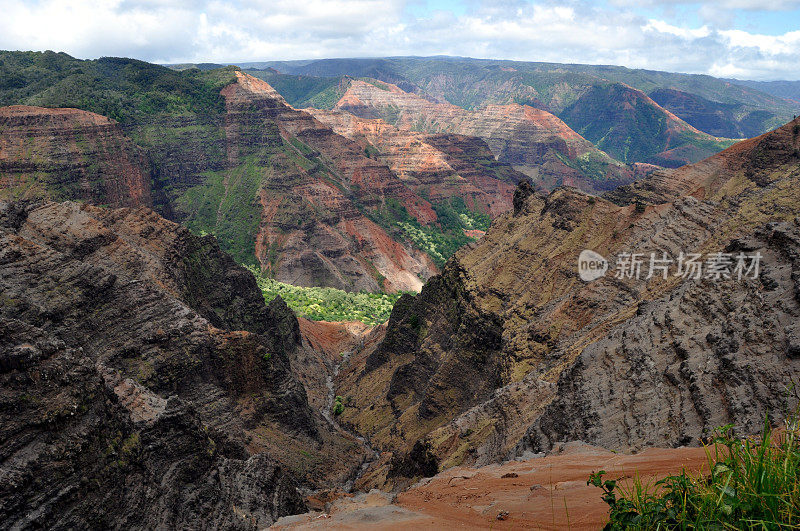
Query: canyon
point(507, 351)
point(146, 383)
point(274, 185)
point(534, 141)
point(138, 350)
point(145, 378)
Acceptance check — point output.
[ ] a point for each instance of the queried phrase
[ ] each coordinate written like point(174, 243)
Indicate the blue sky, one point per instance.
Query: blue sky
point(747, 39)
point(784, 17)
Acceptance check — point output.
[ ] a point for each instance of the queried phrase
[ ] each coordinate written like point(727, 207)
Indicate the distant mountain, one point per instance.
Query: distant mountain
point(782, 89)
point(717, 119)
point(199, 66)
point(632, 127)
point(474, 82)
point(223, 153)
point(534, 141)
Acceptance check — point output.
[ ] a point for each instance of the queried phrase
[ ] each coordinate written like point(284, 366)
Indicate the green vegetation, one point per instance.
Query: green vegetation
point(227, 209)
point(123, 89)
point(632, 129)
point(591, 164)
point(438, 241)
point(329, 304)
point(303, 91)
point(338, 406)
point(753, 484)
point(375, 83)
point(454, 214)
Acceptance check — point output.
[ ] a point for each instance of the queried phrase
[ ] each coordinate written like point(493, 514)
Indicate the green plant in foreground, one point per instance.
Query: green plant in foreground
point(753, 484)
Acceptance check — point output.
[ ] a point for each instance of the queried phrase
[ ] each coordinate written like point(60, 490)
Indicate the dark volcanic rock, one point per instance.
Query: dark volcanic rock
point(508, 350)
point(145, 383)
point(708, 354)
point(83, 447)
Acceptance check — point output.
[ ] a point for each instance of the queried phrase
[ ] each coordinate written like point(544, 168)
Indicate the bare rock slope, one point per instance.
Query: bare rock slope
point(70, 154)
point(508, 350)
point(436, 166)
point(145, 383)
point(534, 141)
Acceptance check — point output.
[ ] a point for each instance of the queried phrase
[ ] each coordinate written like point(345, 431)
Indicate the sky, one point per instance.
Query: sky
point(745, 39)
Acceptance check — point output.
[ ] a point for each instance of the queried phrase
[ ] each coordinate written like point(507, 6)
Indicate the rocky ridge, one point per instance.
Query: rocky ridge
point(311, 229)
point(534, 141)
point(496, 354)
point(145, 382)
point(436, 166)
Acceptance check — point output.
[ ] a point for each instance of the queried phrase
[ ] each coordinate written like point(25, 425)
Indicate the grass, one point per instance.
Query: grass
point(752, 484)
point(329, 304)
point(439, 241)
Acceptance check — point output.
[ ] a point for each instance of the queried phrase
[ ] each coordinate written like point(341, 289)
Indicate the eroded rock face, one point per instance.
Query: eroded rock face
point(437, 166)
point(145, 382)
point(272, 183)
point(509, 351)
point(312, 190)
point(69, 154)
point(708, 354)
point(534, 141)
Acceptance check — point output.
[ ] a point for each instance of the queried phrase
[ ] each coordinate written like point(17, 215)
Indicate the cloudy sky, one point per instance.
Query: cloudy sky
point(747, 39)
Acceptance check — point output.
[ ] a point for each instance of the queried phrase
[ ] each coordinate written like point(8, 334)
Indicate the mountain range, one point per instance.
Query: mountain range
point(353, 182)
point(146, 383)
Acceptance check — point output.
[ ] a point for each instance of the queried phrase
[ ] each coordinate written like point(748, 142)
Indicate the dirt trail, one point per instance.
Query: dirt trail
point(540, 493)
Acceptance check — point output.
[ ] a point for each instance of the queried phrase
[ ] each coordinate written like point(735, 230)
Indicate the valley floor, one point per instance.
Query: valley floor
point(539, 493)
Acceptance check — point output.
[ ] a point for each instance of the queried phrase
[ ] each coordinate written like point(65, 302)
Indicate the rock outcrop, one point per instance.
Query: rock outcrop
point(312, 190)
point(508, 350)
point(144, 381)
point(534, 141)
point(66, 154)
point(438, 167)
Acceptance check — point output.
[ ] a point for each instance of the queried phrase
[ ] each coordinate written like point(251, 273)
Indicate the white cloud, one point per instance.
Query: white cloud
point(750, 5)
point(660, 26)
point(788, 43)
point(252, 30)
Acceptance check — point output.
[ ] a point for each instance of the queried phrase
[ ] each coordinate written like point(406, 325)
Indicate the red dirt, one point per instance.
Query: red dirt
point(547, 493)
point(332, 337)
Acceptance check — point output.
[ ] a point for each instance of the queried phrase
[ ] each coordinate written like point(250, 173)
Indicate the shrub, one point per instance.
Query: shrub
point(338, 406)
point(752, 484)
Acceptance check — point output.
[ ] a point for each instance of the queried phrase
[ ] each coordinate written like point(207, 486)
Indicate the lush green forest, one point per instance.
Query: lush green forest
point(120, 88)
point(329, 304)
